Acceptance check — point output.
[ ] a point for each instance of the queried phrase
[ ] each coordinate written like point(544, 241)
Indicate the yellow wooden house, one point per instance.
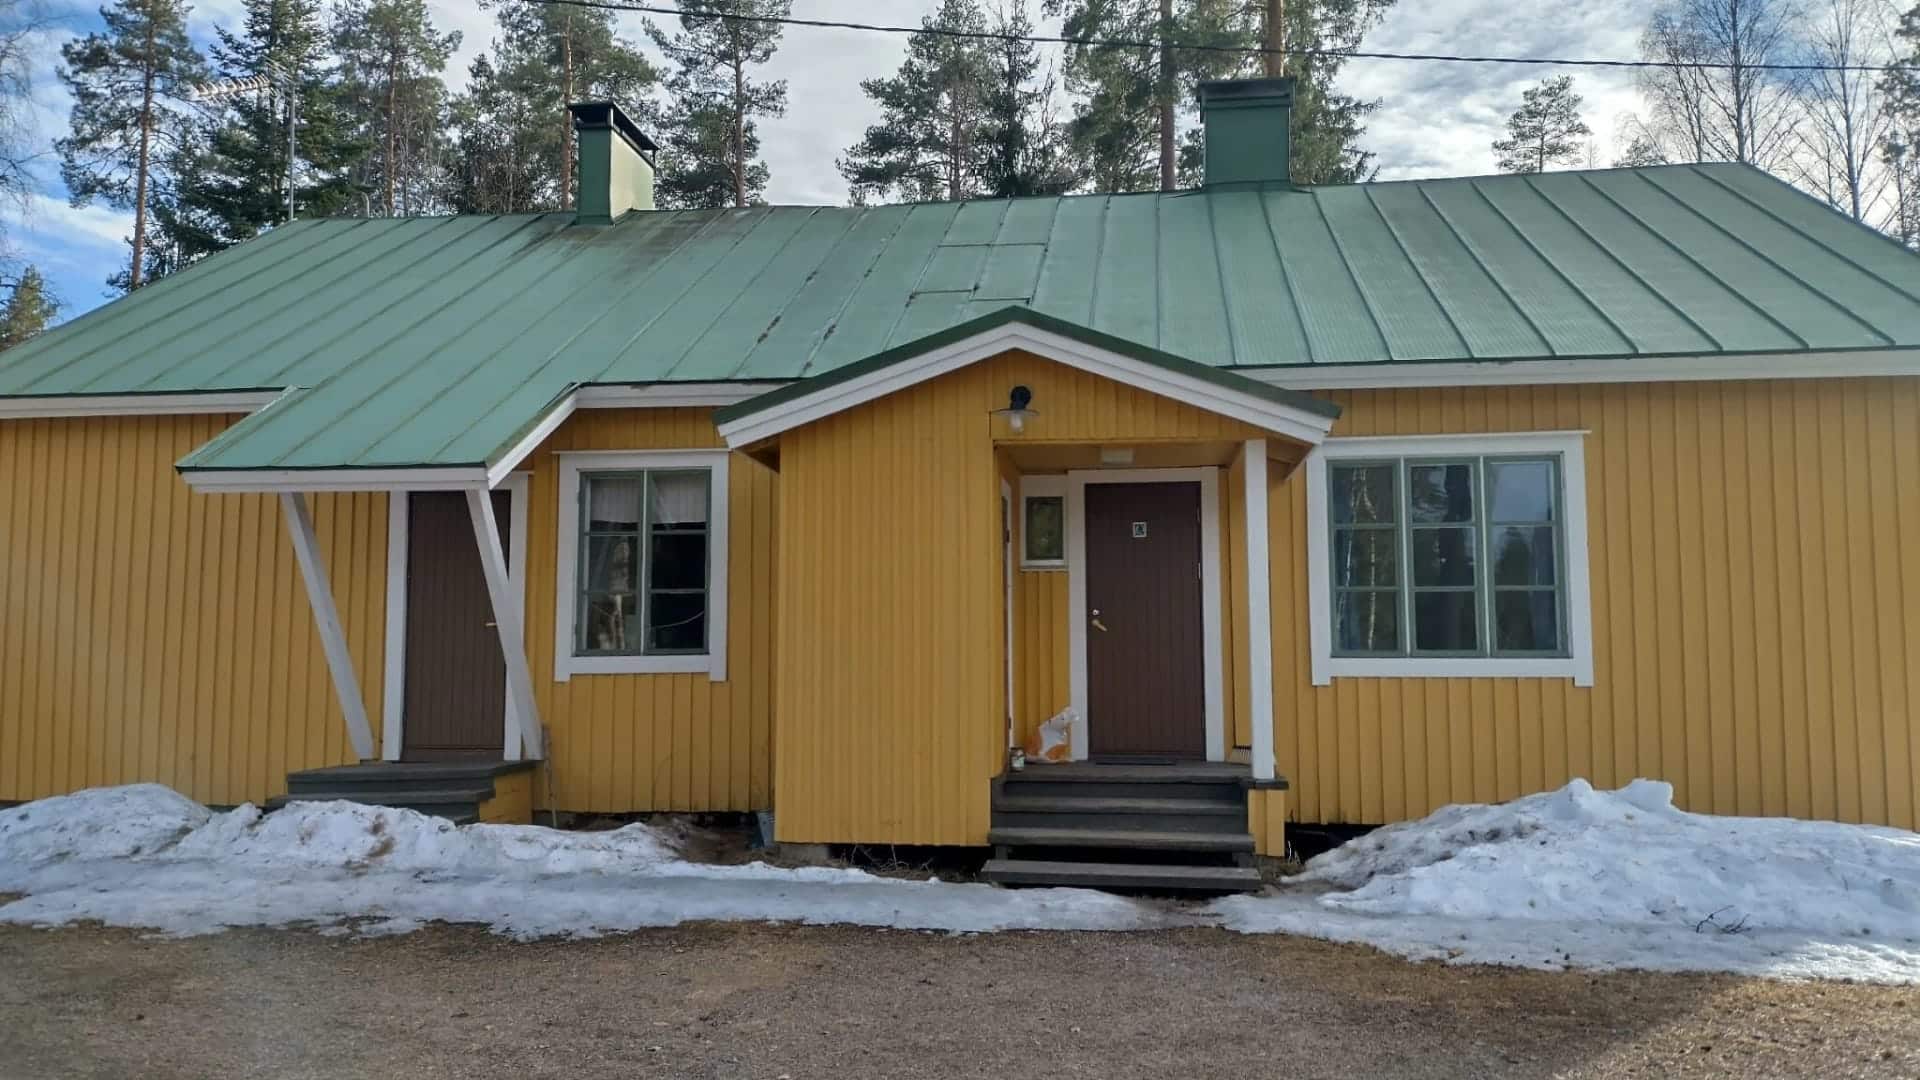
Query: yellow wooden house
point(1295, 504)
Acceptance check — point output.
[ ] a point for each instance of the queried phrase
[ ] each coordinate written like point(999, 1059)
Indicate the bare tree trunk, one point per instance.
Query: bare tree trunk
point(1276, 38)
point(134, 273)
point(393, 122)
point(566, 114)
point(739, 133)
point(1165, 95)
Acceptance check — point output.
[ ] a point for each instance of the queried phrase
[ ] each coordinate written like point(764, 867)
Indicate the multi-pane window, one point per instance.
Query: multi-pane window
point(644, 567)
point(1456, 556)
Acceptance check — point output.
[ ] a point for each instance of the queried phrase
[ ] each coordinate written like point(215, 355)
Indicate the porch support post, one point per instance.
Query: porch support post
point(333, 638)
point(507, 620)
point(1259, 609)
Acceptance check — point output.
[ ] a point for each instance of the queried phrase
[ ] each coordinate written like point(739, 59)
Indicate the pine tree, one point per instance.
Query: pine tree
point(248, 170)
point(30, 309)
point(546, 57)
point(710, 143)
point(1025, 150)
point(391, 57)
point(1545, 130)
point(496, 169)
point(126, 81)
point(926, 146)
point(1641, 149)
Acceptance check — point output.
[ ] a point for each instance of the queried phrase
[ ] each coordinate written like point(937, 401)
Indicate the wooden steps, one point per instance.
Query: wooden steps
point(1123, 876)
point(1148, 828)
point(453, 790)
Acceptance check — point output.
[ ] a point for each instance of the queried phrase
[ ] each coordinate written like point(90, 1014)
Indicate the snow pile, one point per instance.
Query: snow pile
point(146, 857)
point(103, 823)
point(1578, 877)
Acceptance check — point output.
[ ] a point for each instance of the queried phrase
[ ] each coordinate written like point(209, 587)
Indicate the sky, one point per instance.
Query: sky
point(1435, 119)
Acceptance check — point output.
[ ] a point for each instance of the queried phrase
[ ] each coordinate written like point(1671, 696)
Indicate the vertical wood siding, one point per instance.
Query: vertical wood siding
point(628, 743)
point(151, 634)
point(1042, 677)
point(1756, 613)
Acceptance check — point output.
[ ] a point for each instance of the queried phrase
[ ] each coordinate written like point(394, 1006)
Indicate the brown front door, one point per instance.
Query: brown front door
point(456, 678)
point(1145, 677)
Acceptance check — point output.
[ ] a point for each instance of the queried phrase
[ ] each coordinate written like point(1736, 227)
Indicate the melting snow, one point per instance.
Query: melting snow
point(1570, 878)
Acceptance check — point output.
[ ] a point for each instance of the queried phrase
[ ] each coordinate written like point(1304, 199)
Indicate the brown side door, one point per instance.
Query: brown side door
point(1145, 678)
point(456, 678)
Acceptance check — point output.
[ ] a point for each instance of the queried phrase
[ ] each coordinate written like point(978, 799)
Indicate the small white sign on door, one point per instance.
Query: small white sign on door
point(1139, 530)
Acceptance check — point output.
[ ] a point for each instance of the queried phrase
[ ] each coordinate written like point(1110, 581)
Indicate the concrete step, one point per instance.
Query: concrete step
point(1175, 806)
point(1136, 839)
point(1213, 879)
point(374, 775)
point(400, 796)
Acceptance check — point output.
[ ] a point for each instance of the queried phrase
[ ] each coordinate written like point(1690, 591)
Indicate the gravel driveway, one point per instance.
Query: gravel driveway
point(771, 1002)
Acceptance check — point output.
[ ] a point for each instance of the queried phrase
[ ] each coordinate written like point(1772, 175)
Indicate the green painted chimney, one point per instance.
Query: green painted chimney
point(615, 163)
point(1246, 123)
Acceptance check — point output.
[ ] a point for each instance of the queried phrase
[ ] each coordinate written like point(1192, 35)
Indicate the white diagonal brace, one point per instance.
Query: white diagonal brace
point(326, 615)
point(1259, 610)
point(507, 618)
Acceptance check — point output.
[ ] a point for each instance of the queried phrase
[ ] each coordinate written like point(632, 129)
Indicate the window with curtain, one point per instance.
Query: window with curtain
point(644, 570)
point(1448, 557)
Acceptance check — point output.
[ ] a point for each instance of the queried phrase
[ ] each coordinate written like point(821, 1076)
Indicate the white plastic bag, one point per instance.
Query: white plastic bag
point(1053, 741)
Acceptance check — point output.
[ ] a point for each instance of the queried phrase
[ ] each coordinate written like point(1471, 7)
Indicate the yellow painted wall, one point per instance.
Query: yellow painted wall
point(626, 743)
point(1756, 611)
point(512, 802)
point(151, 634)
point(1043, 683)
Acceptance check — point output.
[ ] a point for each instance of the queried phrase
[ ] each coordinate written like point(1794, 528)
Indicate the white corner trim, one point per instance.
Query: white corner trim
point(1862, 363)
point(688, 395)
point(572, 465)
point(1259, 609)
point(326, 617)
point(1212, 649)
point(1006, 574)
point(1295, 423)
point(1571, 448)
point(155, 404)
point(1039, 486)
point(394, 694)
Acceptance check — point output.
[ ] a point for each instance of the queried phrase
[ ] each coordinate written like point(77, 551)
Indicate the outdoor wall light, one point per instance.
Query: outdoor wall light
point(1018, 401)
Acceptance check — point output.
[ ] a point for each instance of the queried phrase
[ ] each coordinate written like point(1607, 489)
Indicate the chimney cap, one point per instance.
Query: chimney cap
point(606, 114)
point(1234, 93)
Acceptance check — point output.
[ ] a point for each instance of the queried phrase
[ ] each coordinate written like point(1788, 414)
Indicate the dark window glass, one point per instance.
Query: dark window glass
point(644, 572)
point(1046, 528)
point(1527, 621)
point(1363, 494)
point(1367, 622)
point(1366, 557)
point(1440, 493)
point(1444, 556)
point(1523, 555)
point(1521, 490)
point(1445, 622)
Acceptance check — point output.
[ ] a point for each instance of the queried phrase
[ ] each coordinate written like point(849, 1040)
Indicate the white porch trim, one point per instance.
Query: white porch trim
point(1259, 609)
point(1282, 419)
point(508, 613)
point(326, 616)
point(399, 551)
point(1212, 649)
point(156, 404)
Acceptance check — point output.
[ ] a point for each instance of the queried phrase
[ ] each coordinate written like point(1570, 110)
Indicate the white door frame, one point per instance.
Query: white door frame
point(518, 486)
point(1212, 650)
point(1006, 572)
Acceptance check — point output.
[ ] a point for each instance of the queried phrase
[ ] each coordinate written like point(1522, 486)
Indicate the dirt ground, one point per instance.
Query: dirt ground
point(795, 1003)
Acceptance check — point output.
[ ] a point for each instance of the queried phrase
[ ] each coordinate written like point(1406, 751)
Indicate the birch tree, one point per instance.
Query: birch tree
point(1711, 96)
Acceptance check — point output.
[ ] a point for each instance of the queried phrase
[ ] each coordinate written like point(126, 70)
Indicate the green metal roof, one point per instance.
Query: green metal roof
point(437, 341)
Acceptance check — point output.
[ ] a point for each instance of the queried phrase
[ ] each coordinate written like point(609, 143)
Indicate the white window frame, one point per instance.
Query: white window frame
point(1043, 487)
point(575, 464)
point(1568, 446)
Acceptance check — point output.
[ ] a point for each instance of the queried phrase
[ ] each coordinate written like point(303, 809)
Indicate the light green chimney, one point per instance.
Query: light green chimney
point(615, 163)
point(1246, 123)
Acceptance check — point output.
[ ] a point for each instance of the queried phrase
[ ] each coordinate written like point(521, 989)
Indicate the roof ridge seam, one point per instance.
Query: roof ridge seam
point(1538, 253)
point(1346, 263)
point(1286, 276)
point(840, 309)
point(1226, 295)
point(1401, 243)
point(1460, 239)
point(1644, 285)
point(1697, 264)
point(1709, 177)
point(805, 280)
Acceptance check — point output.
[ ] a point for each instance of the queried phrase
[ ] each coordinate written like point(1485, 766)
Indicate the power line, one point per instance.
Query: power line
point(1243, 50)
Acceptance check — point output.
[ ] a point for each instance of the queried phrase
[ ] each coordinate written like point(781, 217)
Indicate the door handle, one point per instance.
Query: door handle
point(492, 625)
point(1097, 624)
